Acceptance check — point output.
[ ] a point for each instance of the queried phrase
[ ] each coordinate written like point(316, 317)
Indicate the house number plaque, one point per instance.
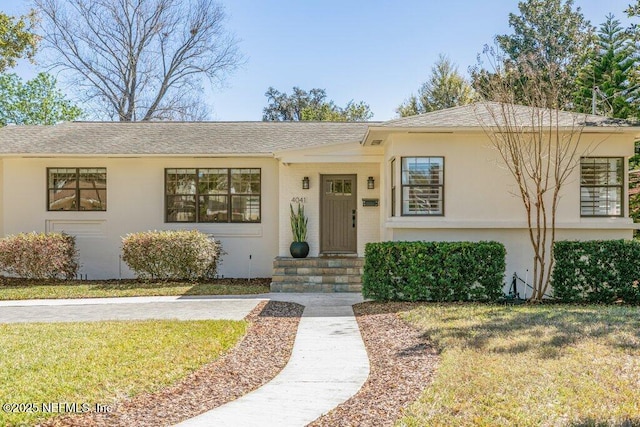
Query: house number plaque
point(297, 199)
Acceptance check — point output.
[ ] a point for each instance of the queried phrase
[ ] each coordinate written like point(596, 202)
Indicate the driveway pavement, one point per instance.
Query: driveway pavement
point(133, 308)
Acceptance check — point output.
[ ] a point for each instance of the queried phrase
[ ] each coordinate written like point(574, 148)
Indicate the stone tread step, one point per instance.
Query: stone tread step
point(318, 262)
point(315, 287)
point(316, 279)
point(332, 271)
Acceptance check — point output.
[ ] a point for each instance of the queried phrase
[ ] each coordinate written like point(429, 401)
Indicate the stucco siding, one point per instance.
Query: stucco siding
point(135, 202)
point(477, 185)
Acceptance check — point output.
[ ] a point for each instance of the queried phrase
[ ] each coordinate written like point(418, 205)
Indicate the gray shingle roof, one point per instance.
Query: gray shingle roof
point(485, 113)
point(238, 138)
point(180, 138)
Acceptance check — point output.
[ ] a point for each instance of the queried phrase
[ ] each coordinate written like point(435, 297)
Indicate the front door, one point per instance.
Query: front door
point(338, 214)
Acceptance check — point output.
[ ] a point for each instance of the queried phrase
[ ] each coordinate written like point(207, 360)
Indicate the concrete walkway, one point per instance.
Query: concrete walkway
point(328, 365)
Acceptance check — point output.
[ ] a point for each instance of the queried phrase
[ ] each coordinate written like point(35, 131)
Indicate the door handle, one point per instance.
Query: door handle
point(353, 218)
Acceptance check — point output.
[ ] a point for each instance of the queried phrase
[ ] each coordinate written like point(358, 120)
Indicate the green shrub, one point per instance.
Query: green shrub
point(434, 271)
point(171, 254)
point(597, 271)
point(39, 255)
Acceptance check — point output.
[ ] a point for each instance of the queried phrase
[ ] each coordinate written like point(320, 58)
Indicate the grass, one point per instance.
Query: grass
point(530, 366)
point(101, 362)
point(15, 289)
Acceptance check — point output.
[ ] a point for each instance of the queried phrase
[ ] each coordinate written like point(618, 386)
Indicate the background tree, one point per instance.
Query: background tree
point(34, 102)
point(541, 155)
point(550, 40)
point(536, 67)
point(445, 88)
point(17, 39)
point(139, 59)
point(607, 78)
point(312, 105)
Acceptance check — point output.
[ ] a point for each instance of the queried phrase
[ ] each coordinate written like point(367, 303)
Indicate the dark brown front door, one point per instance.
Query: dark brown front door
point(338, 219)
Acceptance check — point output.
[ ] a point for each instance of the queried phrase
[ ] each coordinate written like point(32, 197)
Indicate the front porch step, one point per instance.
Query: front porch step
point(327, 274)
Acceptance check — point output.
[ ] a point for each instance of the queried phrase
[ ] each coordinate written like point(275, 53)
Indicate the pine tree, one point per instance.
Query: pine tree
point(607, 77)
point(445, 88)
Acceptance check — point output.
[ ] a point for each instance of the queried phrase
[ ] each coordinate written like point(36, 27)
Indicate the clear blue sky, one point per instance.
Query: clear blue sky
point(375, 51)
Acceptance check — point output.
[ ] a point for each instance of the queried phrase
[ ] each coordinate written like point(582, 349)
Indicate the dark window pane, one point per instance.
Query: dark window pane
point(62, 178)
point(181, 181)
point(393, 187)
point(181, 208)
point(213, 181)
point(422, 170)
point(93, 178)
point(338, 189)
point(62, 200)
point(243, 180)
point(214, 208)
point(347, 187)
point(93, 200)
point(329, 187)
point(245, 208)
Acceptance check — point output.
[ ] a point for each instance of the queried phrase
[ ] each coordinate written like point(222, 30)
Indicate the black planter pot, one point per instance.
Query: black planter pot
point(299, 249)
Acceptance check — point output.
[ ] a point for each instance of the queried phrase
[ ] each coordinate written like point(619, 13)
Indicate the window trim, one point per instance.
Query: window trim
point(402, 186)
point(197, 195)
point(621, 186)
point(77, 189)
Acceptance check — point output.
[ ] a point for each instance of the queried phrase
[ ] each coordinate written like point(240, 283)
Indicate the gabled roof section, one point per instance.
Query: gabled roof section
point(175, 138)
point(485, 114)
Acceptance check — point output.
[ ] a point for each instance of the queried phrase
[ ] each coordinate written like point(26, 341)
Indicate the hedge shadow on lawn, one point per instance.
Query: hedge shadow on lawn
point(563, 327)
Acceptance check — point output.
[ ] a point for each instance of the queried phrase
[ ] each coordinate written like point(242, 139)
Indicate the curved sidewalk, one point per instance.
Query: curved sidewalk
point(328, 365)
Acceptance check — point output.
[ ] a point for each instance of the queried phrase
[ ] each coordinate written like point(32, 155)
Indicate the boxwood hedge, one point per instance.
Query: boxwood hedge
point(434, 271)
point(597, 271)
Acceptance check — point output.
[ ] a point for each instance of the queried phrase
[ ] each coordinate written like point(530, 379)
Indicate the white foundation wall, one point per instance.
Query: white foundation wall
point(519, 257)
point(291, 175)
point(136, 202)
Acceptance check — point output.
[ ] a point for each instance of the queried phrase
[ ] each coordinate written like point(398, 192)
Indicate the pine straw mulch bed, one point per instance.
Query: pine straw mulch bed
point(402, 363)
point(258, 358)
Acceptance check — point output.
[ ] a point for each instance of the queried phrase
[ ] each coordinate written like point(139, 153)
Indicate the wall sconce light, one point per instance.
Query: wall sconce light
point(305, 183)
point(371, 183)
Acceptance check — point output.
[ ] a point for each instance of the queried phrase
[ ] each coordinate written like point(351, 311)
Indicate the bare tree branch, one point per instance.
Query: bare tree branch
point(541, 153)
point(133, 59)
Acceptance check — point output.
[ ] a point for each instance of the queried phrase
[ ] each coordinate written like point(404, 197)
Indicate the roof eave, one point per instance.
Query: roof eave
point(133, 155)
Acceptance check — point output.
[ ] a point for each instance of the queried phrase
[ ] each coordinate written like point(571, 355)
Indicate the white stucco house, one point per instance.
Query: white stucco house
point(429, 177)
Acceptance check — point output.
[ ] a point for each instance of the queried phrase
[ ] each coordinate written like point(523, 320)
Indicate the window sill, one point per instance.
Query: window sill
point(439, 222)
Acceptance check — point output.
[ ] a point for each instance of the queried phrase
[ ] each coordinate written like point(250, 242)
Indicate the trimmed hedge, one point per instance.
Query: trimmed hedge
point(171, 254)
point(597, 271)
point(39, 255)
point(434, 271)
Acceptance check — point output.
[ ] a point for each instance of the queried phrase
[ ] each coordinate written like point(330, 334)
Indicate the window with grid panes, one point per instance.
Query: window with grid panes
point(601, 186)
point(77, 189)
point(422, 185)
point(212, 195)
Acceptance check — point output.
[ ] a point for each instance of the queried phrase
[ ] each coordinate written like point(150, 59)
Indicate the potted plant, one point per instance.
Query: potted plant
point(299, 247)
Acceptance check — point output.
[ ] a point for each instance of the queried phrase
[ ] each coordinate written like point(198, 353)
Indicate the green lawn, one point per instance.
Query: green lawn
point(13, 289)
point(101, 362)
point(549, 365)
